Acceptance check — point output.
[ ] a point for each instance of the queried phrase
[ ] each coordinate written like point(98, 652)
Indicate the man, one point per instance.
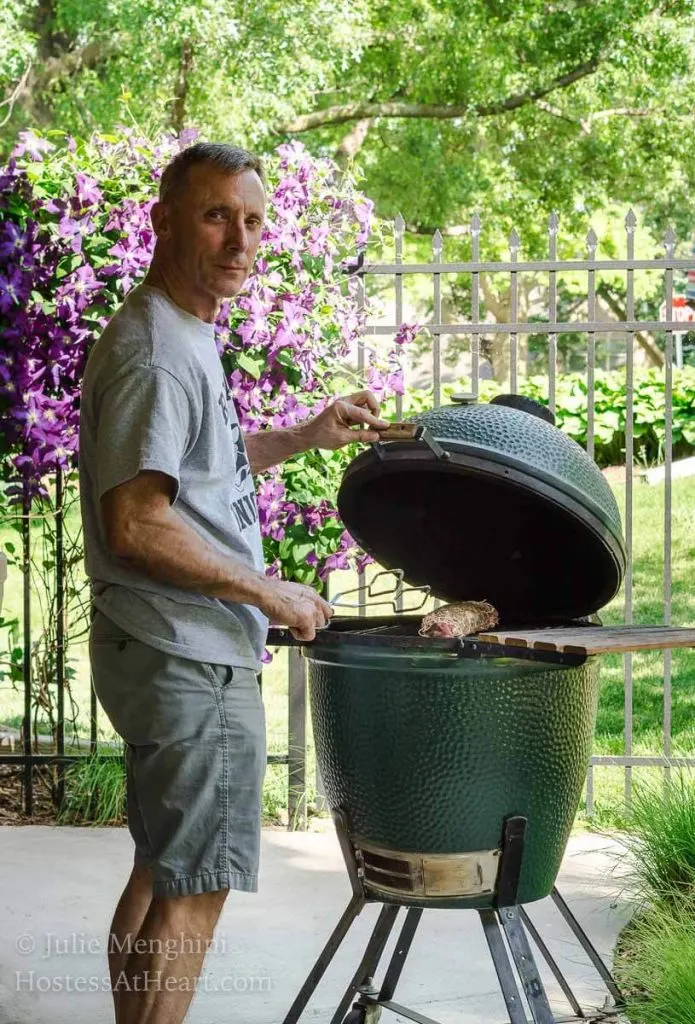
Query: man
point(181, 601)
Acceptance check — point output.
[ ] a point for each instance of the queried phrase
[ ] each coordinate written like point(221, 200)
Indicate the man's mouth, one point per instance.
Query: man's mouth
point(230, 266)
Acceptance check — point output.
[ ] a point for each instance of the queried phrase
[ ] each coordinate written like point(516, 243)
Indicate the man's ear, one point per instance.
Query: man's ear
point(160, 215)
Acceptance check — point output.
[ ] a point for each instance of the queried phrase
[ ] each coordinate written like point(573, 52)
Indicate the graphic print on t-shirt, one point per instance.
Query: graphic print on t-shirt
point(242, 470)
point(245, 508)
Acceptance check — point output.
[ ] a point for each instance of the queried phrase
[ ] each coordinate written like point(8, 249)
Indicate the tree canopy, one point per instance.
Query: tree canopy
point(513, 107)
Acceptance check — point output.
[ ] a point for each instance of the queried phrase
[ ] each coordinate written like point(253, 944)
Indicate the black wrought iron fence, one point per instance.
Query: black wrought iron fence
point(55, 638)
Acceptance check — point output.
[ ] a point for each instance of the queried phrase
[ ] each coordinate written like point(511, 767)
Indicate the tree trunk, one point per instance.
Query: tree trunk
point(178, 113)
point(499, 304)
point(655, 356)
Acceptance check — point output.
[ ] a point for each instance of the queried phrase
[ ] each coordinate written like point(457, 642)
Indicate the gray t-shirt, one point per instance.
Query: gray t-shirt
point(154, 396)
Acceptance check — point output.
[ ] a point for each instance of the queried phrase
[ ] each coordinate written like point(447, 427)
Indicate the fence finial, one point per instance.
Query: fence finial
point(591, 242)
point(630, 221)
point(437, 242)
point(399, 224)
point(553, 222)
point(514, 242)
point(670, 240)
point(475, 223)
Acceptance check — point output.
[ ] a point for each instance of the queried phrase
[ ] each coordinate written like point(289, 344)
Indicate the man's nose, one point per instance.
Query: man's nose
point(237, 237)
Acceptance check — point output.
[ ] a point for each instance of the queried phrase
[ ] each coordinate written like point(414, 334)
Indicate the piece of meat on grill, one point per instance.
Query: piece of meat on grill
point(461, 619)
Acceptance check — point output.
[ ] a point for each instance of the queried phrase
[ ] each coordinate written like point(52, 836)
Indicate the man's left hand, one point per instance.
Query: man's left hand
point(355, 418)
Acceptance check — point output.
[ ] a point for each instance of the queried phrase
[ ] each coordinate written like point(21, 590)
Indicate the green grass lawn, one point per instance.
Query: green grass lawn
point(648, 667)
point(648, 691)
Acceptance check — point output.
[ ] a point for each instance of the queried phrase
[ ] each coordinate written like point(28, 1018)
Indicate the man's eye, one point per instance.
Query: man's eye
point(253, 222)
point(215, 214)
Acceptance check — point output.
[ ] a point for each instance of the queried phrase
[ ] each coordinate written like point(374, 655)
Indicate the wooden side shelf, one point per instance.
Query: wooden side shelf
point(595, 639)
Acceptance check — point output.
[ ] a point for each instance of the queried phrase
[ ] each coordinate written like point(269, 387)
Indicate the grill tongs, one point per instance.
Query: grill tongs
point(393, 594)
point(374, 593)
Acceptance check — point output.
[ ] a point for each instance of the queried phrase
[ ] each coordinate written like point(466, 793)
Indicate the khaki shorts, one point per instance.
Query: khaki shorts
point(195, 761)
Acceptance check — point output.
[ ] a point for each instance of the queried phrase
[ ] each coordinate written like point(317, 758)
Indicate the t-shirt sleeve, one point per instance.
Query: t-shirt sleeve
point(145, 421)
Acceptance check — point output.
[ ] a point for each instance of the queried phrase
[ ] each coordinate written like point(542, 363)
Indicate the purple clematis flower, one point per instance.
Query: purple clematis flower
point(88, 192)
point(294, 304)
point(406, 333)
point(32, 146)
point(12, 240)
point(14, 289)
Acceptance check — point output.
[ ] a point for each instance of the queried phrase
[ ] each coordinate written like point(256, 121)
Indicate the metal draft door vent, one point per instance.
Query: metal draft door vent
point(432, 876)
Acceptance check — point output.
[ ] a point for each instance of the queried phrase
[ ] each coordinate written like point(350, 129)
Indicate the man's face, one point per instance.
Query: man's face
point(210, 230)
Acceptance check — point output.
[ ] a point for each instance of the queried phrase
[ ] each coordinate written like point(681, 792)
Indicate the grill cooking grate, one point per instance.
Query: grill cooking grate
point(398, 629)
point(405, 625)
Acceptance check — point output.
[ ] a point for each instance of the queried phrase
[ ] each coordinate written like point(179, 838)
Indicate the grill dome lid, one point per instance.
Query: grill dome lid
point(510, 510)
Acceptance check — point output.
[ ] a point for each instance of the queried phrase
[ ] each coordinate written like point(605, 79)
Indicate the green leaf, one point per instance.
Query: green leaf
point(305, 574)
point(285, 357)
point(249, 364)
point(300, 551)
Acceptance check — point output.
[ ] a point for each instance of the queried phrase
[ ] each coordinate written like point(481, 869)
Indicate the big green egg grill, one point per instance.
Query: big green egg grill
point(454, 767)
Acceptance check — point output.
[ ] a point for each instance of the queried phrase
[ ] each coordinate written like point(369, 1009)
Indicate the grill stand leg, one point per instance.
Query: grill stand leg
point(400, 953)
point(550, 960)
point(363, 978)
point(505, 974)
point(525, 965)
point(329, 950)
point(589, 948)
point(508, 915)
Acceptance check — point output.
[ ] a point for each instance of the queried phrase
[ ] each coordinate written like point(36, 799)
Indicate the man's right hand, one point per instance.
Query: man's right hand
point(293, 605)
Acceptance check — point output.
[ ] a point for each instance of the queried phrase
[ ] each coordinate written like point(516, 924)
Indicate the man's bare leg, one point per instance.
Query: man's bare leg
point(127, 922)
point(156, 986)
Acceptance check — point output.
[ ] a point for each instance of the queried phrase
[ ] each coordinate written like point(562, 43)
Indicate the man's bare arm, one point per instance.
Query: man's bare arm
point(145, 530)
point(267, 448)
point(343, 422)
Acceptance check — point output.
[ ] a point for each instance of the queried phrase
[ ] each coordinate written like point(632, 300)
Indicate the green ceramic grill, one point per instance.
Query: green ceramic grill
point(427, 752)
point(454, 767)
point(427, 746)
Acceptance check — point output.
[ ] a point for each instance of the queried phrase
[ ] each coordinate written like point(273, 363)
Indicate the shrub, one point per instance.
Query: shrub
point(610, 404)
point(657, 954)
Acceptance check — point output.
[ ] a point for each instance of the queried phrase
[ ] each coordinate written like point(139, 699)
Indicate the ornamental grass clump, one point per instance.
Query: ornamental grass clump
point(95, 792)
point(660, 839)
point(657, 970)
point(656, 961)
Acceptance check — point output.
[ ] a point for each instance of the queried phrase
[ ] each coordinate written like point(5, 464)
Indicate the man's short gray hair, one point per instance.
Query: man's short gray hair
point(232, 159)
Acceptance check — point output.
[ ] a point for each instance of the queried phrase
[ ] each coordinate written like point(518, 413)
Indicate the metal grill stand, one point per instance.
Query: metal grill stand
point(507, 928)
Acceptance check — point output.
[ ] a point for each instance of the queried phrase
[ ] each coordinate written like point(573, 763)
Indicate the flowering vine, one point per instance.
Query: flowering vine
point(75, 237)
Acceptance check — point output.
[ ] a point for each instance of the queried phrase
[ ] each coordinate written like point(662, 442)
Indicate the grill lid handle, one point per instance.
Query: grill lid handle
point(410, 432)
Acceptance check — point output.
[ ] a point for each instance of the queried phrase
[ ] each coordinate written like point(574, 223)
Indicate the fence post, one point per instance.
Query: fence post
point(26, 614)
point(296, 754)
point(60, 633)
point(321, 801)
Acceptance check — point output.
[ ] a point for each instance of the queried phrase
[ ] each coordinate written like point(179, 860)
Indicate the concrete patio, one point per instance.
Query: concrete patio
point(60, 886)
